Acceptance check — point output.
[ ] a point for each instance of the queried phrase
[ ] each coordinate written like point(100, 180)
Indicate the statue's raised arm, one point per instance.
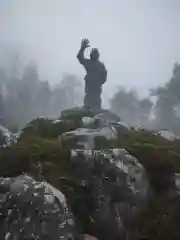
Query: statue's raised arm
point(80, 55)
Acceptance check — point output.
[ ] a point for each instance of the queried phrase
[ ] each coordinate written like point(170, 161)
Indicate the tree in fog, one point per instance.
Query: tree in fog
point(167, 108)
point(57, 101)
point(24, 96)
point(42, 100)
point(2, 103)
point(130, 108)
point(66, 94)
point(145, 107)
point(125, 104)
point(73, 90)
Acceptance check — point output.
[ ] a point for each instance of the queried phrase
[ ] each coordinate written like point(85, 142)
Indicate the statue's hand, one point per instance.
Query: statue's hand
point(85, 43)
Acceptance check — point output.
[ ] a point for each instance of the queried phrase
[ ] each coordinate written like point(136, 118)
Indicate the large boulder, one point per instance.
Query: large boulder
point(114, 184)
point(33, 210)
point(115, 189)
point(76, 112)
point(6, 137)
point(85, 138)
point(168, 135)
point(107, 116)
point(101, 124)
point(115, 181)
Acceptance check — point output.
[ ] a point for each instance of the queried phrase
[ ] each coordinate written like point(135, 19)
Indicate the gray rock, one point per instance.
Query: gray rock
point(103, 124)
point(76, 111)
point(121, 128)
point(117, 185)
point(6, 137)
point(103, 115)
point(168, 135)
point(107, 116)
point(33, 210)
point(85, 138)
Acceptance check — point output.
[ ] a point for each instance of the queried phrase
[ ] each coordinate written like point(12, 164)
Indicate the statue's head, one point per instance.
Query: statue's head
point(94, 55)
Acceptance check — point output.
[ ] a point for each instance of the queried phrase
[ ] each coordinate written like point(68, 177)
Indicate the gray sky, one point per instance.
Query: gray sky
point(139, 40)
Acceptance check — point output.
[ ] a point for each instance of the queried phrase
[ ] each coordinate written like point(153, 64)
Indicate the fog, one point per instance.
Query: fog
point(138, 40)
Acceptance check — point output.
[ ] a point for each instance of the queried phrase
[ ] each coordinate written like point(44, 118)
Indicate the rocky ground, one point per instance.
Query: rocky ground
point(88, 175)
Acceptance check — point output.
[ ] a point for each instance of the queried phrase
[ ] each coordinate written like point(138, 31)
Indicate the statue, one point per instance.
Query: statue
point(96, 76)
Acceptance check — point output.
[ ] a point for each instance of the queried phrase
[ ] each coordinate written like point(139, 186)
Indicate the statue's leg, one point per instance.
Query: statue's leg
point(87, 101)
point(92, 98)
point(97, 101)
point(96, 98)
point(86, 96)
point(92, 101)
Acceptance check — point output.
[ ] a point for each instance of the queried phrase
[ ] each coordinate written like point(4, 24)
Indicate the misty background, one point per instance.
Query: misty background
point(138, 41)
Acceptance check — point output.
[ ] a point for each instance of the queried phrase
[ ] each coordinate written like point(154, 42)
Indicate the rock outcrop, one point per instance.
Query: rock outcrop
point(114, 180)
point(117, 186)
point(33, 210)
point(6, 137)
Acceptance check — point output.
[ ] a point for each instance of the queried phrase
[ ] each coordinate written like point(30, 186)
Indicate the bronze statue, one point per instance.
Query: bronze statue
point(96, 76)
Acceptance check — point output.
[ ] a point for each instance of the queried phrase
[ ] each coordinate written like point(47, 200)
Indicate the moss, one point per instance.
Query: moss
point(160, 221)
point(141, 137)
point(160, 165)
point(45, 128)
point(76, 114)
point(23, 156)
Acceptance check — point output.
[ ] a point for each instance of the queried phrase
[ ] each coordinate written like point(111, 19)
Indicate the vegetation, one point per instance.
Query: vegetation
point(46, 128)
point(39, 153)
